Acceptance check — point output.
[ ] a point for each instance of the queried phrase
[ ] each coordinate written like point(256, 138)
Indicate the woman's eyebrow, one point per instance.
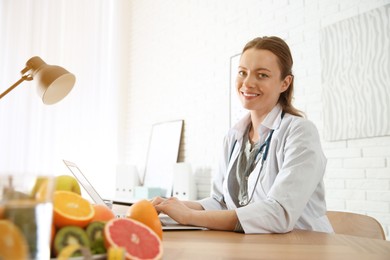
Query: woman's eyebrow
point(263, 69)
point(257, 69)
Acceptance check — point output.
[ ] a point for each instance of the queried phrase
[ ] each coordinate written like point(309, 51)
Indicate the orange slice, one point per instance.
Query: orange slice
point(13, 244)
point(70, 209)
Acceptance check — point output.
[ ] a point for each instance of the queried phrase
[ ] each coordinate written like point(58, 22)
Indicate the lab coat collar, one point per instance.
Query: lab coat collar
point(273, 119)
point(241, 126)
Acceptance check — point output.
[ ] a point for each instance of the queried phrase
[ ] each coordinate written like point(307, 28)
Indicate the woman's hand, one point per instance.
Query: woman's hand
point(156, 201)
point(174, 208)
point(192, 213)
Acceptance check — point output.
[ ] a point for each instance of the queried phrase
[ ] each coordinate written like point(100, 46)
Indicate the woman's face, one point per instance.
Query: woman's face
point(258, 80)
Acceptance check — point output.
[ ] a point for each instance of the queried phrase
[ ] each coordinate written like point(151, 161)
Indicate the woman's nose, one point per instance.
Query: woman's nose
point(248, 81)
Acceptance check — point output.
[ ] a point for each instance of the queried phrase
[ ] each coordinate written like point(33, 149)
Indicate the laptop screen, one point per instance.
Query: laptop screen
point(84, 182)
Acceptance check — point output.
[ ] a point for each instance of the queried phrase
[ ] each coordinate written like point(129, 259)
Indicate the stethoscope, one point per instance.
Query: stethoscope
point(265, 146)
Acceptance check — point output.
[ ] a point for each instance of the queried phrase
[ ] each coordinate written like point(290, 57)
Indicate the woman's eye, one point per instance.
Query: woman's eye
point(242, 73)
point(262, 75)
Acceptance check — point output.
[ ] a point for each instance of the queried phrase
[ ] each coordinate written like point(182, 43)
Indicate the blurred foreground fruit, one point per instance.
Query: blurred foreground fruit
point(38, 184)
point(73, 250)
point(13, 245)
point(116, 253)
point(67, 183)
point(61, 182)
point(52, 234)
point(70, 235)
point(95, 235)
point(102, 213)
point(70, 209)
point(1, 211)
point(139, 241)
point(44, 193)
point(25, 214)
point(144, 212)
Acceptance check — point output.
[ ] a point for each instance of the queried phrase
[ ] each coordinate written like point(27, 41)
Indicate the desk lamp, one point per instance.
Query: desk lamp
point(53, 82)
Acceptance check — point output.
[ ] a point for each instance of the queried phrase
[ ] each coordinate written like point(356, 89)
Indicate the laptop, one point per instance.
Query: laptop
point(120, 207)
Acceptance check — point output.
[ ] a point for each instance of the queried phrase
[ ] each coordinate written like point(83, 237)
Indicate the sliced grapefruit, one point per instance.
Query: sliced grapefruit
point(138, 240)
point(70, 209)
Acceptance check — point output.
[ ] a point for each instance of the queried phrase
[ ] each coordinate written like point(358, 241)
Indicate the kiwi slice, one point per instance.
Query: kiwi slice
point(70, 235)
point(95, 235)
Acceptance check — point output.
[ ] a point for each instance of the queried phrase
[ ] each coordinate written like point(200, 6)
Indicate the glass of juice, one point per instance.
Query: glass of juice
point(26, 215)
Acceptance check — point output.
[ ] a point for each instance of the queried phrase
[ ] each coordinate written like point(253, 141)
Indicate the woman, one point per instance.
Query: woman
point(270, 179)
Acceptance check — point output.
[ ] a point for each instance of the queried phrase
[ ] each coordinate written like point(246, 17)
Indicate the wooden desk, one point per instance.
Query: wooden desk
point(297, 244)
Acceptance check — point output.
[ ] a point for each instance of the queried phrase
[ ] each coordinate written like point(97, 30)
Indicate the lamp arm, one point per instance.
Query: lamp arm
point(23, 78)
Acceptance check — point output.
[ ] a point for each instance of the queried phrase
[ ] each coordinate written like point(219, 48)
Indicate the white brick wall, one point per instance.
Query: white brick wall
point(179, 53)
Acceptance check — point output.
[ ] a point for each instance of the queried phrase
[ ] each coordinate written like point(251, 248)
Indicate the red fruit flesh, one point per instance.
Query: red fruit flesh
point(139, 241)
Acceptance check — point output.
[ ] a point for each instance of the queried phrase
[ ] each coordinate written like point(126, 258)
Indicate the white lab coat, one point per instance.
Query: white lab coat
point(290, 192)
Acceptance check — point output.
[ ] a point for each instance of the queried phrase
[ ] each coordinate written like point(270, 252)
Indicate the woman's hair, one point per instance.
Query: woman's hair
point(285, 61)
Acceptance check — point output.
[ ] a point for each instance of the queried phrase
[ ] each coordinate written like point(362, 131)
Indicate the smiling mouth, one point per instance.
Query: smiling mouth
point(249, 94)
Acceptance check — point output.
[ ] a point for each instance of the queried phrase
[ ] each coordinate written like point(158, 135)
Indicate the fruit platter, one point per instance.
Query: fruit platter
point(82, 230)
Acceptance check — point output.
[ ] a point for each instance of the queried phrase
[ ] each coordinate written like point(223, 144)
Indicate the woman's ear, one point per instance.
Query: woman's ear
point(286, 83)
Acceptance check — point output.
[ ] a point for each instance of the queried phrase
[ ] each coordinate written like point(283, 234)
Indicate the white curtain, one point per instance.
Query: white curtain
point(81, 36)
